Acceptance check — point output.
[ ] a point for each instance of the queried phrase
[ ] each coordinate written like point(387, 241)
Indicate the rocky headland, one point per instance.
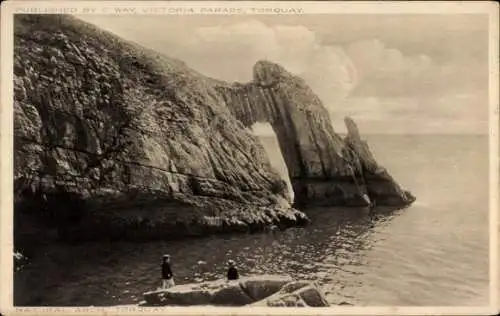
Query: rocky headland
point(114, 141)
point(324, 168)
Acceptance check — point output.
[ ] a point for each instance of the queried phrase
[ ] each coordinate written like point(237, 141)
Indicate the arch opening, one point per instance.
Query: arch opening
point(269, 140)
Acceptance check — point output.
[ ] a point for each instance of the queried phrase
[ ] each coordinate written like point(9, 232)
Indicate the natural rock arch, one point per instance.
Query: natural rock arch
point(318, 159)
point(156, 150)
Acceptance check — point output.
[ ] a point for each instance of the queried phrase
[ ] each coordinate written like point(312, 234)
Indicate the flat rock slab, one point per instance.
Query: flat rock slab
point(266, 290)
point(296, 294)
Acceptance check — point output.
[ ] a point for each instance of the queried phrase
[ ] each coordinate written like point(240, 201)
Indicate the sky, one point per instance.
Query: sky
point(395, 74)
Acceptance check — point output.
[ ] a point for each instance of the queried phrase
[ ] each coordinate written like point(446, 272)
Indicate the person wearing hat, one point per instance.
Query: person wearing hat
point(232, 272)
point(166, 273)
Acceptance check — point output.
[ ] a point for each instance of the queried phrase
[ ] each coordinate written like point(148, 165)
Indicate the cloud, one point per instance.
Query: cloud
point(327, 69)
point(386, 71)
point(373, 55)
point(450, 113)
point(361, 68)
point(376, 83)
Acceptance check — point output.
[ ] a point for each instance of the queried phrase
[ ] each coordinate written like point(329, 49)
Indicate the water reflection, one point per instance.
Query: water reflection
point(328, 251)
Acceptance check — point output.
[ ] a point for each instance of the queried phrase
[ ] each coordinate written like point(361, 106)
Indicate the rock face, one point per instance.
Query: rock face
point(115, 141)
point(266, 290)
point(324, 168)
point(296, 294)
point(110, 135)
point(378, 183)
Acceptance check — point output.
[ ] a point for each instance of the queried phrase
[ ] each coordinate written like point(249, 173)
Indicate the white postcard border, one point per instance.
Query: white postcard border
point(241, 7)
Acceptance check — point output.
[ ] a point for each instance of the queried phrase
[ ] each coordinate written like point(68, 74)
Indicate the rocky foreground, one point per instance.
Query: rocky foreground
point(114, 141)
point(264, 291)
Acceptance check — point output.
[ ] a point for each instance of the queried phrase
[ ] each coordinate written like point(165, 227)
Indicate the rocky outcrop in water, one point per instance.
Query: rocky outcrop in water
point(20, 261)
point(377, 182)
point(264, 291)
point(115, 141)
point(324, 168)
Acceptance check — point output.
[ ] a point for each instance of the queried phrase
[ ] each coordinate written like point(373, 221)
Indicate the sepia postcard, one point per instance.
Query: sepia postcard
point(249, 158)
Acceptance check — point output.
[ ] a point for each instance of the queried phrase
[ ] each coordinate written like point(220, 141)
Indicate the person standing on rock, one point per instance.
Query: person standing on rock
point(166, 273)
point(232, 272)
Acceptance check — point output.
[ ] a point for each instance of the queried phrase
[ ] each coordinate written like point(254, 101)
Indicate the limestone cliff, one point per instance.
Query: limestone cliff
point(109, 134)
point(324, 168)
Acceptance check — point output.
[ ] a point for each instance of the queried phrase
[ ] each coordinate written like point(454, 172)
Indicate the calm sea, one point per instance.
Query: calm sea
point(432, 253)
